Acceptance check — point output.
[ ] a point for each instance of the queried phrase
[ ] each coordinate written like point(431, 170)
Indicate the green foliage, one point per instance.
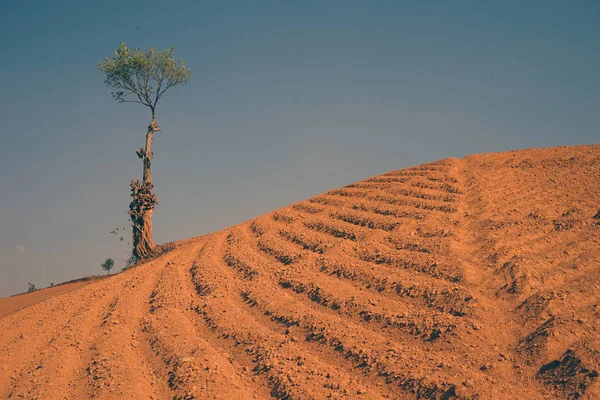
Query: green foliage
point(31, 288)
point(108, 265)
point(143, 76)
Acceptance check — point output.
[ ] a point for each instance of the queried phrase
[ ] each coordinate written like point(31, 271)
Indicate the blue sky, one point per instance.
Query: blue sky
point(288, 99)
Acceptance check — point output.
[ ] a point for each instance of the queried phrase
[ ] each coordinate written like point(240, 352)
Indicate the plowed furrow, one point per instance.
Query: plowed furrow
point(372, 185)
point(307, 208)
point(333, 373)
point(284, 216)
point(442, 297)
point(418, 204)
point(287, 321)
point(401, 243)
point(387, 179)
point(61, 308)
point(266, 345)
point(13, 304)
point(405, 173)
point(435, 186)
point(435, 294)
point(376, 253)
point(366, 220)
point(398, 197)
point(377, 312)
point(378, 208)
point(307, 239)
point(424, 194)
point(237, 258)
point(336, 229)
point(365, 350)
point(196, 368)
point(114, 365)
point(379, 202)
point(278, 248)
point(50, 362)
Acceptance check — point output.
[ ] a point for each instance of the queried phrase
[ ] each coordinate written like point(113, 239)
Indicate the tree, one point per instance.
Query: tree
point(143, 77)
point(107, 265)
point(31, 288)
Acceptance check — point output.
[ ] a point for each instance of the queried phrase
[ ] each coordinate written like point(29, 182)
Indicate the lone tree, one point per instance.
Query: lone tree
point(108, 265)
point(143, 77)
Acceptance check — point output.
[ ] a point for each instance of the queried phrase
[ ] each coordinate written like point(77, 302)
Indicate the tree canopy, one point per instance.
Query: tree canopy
point(108, 264)
point(143, 76)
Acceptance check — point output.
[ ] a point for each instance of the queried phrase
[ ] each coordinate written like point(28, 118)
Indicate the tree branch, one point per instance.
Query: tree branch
point(133, 101)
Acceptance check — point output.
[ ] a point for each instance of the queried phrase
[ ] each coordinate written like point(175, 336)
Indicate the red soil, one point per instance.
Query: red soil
point(14, 303)
point(471, 278)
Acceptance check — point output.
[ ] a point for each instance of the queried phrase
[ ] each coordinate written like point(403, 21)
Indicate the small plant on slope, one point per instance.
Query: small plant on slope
point(108, 265)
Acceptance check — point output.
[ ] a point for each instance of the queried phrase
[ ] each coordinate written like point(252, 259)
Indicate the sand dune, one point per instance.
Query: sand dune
point(470, 278)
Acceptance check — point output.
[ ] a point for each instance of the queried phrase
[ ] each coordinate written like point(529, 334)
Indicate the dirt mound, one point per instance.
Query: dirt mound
point(471, 278)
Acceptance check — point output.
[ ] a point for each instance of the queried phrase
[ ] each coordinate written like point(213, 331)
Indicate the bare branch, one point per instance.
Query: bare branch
point(133, 101)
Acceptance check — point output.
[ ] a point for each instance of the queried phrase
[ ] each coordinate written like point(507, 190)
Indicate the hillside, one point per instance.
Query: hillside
point(470, 278)
point(14, 303)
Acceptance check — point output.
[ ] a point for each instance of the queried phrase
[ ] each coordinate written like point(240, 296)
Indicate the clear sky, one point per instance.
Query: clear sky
point(288, 99)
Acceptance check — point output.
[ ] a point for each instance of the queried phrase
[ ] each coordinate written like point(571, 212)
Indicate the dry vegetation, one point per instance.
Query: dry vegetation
point(472, 278)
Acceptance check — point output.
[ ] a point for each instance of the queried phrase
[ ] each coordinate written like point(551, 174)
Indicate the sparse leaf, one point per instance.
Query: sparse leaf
point(143, 76)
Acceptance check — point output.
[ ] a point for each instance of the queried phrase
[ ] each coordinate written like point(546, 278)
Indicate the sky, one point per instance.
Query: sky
point(288, 99)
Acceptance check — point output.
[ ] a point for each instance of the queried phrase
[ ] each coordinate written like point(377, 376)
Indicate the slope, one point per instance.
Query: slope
point(14, 303)
point(471, 278)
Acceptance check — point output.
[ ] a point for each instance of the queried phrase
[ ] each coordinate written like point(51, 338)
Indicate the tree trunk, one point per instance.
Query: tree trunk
point(147, 160)
point(144, 201)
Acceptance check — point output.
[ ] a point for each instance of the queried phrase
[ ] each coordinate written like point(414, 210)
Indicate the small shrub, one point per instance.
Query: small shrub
point(108, 265)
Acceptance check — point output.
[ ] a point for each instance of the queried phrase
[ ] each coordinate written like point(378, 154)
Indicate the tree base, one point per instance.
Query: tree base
point(141, 209)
